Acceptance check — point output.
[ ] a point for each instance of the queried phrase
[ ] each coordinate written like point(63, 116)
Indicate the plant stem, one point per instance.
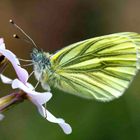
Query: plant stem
point(11, 99)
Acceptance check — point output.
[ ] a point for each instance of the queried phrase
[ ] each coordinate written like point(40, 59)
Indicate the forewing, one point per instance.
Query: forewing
point(100, 68)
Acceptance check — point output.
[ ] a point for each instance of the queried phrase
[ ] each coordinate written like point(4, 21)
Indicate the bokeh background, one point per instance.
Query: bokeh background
point(54, 24)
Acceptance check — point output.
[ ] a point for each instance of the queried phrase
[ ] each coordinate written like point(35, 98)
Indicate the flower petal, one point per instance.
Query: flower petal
point(5, 79)
point(46, 114)
point(35, 97)
point(66, 128)
point(30, 86)
point(2, 44)
point(39, 99)
point(1, 117)
point(21, 73)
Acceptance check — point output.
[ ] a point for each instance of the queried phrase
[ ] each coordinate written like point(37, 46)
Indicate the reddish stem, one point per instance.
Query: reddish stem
point(11, 99)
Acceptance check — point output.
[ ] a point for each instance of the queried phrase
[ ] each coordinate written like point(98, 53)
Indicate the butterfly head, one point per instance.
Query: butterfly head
point(40, 58)
point(41, 61)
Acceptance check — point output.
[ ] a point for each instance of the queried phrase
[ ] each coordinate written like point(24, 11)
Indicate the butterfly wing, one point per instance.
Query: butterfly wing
point(100, 68)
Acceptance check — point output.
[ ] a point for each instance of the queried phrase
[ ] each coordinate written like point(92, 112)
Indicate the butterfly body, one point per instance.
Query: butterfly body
point(98, 68)
point(42, 65)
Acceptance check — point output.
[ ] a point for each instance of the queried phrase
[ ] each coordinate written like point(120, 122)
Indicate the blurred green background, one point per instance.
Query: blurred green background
point(54, 24)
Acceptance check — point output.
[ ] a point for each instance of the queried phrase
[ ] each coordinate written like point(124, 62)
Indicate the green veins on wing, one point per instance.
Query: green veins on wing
point(98, 68)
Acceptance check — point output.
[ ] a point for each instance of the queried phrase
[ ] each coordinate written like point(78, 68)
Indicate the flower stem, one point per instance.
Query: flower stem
point(3, 65)
point(9, 100)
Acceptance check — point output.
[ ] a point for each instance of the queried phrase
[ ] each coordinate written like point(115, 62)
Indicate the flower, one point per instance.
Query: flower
point(21, 73)
point(1, 117)
point(38, 99)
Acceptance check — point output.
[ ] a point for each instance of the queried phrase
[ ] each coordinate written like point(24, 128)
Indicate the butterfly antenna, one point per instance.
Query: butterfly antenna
point(22, 31)
point(25, 40)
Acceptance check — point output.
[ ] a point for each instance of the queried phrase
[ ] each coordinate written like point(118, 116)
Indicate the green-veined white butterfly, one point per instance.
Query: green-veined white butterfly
point(98, 68)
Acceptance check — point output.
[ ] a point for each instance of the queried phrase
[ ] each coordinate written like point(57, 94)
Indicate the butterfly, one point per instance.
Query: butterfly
point(100, 68)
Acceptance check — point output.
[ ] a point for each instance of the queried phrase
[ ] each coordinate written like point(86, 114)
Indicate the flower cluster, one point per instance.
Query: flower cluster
point(25, 88)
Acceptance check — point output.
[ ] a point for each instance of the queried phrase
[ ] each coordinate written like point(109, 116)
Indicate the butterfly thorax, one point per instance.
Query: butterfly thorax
point(42, 65)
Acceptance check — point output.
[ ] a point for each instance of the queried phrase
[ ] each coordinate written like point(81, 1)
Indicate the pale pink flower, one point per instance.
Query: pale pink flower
point(1, 117)
point(21, 73)
point(38, 99)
